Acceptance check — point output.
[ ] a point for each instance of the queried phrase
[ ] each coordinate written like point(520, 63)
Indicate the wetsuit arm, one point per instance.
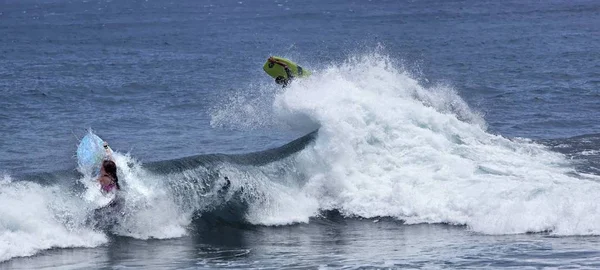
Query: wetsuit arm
point(288, 72)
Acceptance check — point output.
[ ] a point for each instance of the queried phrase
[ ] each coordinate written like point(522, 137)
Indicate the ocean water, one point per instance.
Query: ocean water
point(432, 134)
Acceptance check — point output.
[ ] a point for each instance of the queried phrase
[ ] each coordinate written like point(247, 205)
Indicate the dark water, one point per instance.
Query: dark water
point(452, 134)
point(343, 244)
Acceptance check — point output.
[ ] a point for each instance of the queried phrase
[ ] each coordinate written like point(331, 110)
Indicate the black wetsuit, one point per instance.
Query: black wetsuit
point(289, 78)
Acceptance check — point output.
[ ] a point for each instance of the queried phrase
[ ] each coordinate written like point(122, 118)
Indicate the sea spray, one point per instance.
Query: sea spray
point(389, 146)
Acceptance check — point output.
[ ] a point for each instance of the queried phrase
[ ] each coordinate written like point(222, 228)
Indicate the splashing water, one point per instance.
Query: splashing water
point(388, 146)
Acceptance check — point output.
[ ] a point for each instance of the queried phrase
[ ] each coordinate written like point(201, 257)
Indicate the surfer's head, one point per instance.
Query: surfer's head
point(111, 169)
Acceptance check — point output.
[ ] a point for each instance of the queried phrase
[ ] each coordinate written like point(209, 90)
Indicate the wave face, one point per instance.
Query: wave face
point(161, 200)
point(389, 146)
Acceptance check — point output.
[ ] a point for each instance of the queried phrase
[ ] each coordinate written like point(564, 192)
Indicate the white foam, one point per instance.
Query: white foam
point(275, 201)
point(589, 152)
point(388, 146)
point(149, 210)
point(34, 218)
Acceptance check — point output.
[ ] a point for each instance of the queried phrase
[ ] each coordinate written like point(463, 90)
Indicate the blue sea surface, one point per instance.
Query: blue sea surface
point(441, 134)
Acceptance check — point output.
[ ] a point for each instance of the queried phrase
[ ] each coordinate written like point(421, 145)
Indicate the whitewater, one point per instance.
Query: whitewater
point(386, 145)
point(389, 147)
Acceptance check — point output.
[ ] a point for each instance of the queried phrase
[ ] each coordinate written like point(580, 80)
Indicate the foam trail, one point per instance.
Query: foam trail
point(388, 146)
point(34, 218)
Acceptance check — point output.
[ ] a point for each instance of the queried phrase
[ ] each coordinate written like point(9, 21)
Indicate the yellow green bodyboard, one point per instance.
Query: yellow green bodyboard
point(276, 70)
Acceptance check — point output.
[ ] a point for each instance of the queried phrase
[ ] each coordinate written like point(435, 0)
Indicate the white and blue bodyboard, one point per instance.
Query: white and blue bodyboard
point(91, 153)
